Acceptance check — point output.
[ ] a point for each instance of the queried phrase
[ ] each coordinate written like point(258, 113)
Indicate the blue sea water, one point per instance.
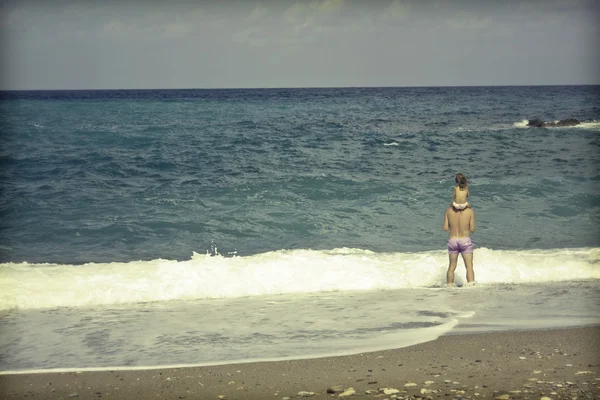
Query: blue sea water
point(330, 199)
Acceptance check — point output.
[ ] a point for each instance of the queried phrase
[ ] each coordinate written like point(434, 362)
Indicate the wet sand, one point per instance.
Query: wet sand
point(557, 364)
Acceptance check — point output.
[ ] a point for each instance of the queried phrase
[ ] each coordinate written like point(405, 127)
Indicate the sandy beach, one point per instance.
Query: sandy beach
point(557, 364)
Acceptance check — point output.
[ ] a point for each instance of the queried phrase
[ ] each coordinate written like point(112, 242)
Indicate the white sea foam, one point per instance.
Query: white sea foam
point(588, 125)
point(339, 346)
point(32, 286)
point(521, 124)
point(583, 125)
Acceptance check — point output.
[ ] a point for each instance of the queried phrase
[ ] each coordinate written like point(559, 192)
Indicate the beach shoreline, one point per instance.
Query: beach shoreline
point(555, 363)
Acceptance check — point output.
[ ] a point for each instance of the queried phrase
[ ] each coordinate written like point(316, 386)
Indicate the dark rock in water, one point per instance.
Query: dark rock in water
point(535, 122)
point(538, 123)
point(567, 122)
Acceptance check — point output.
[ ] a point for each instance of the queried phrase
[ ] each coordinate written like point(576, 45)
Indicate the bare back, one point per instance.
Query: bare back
point(460, 223)
point(460, 195)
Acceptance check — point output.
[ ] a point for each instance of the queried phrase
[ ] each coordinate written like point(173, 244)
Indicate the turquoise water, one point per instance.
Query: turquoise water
point(328, 198)
point(140, 175)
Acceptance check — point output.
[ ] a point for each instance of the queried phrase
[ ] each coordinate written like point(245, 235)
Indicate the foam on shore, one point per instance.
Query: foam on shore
point(37, 286)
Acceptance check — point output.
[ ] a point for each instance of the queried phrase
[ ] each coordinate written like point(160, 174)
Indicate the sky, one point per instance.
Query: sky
point(151, 44)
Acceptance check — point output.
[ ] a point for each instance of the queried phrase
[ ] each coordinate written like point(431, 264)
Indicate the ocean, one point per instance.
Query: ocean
point(324, 207)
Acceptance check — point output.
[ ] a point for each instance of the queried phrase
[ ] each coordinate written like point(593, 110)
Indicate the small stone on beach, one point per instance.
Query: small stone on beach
point(335, 389)
point(347, 392)
point(303, 393)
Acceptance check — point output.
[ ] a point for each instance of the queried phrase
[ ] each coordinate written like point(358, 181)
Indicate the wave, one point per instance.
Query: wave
point(582, 125)
point(521, 124)
point(589, 125)
point(34, 286)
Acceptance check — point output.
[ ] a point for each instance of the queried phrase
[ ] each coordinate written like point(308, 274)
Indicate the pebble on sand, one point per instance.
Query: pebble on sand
point(347, 392)
point(335, 389)
point(303, 393)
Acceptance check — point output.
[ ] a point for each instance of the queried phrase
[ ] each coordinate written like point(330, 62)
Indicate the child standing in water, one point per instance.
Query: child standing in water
point(460, 192)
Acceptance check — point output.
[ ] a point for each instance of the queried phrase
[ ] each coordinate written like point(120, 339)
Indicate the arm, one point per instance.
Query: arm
point(472, 222)
point(445, 224)
point(454, 193)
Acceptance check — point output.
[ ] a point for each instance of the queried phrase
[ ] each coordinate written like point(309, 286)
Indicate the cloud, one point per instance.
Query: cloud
point(328, 6)
point(305, 14)
point(397, 10)
point(301, 22)
point(258, 13)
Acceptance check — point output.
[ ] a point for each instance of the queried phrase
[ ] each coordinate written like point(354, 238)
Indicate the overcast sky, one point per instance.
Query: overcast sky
point(107, 44)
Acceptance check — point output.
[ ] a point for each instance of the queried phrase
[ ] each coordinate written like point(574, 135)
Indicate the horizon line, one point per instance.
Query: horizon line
point(306, 87)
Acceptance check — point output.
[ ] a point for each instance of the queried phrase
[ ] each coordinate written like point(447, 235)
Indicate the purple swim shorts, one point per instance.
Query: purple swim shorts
point(460, 245)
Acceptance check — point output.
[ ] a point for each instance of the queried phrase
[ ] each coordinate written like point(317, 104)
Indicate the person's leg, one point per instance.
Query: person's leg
point(453, 258)
point(468, 259)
